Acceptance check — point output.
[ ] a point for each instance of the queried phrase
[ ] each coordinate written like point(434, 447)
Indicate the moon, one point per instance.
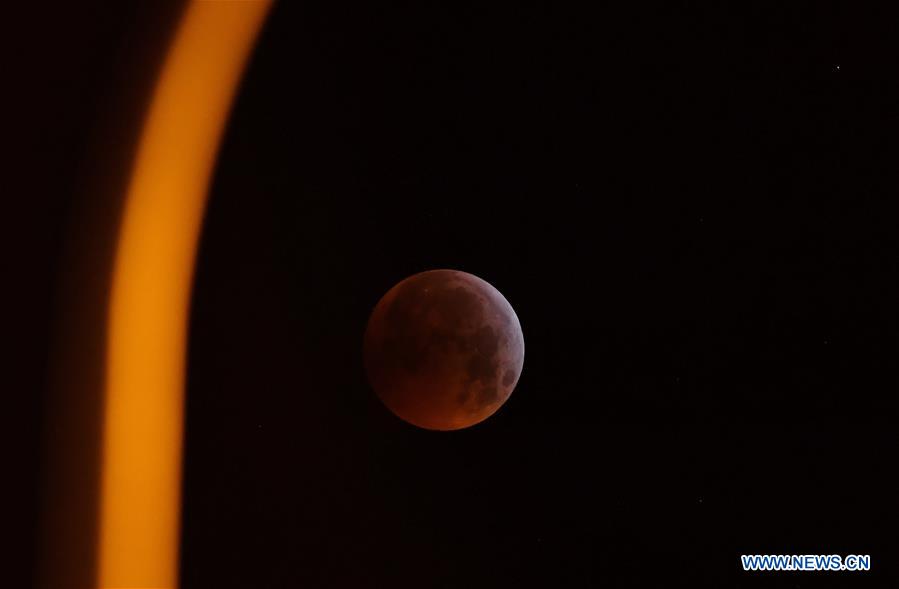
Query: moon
point(443, 350)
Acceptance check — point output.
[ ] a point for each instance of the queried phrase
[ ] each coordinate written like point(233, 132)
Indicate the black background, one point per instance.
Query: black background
point(692, 209)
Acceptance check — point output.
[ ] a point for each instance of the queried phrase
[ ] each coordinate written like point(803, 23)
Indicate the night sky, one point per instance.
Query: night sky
point(693, 213)
point(691, 208)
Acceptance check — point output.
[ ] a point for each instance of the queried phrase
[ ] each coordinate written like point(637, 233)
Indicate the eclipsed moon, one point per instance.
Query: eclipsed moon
point(443, 349)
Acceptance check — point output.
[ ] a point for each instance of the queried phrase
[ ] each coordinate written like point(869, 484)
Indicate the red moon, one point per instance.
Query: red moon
point(443, 350)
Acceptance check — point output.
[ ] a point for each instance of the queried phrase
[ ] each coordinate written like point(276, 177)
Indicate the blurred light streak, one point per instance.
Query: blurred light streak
point(143, 422)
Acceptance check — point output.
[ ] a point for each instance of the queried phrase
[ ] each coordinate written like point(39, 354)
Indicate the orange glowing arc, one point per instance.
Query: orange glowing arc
point(151, 285)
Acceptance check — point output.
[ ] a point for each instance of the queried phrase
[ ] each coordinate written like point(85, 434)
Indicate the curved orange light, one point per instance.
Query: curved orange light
point(148, 314)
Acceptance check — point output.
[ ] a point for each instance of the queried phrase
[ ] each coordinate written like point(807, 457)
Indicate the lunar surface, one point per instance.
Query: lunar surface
point(443, 349)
